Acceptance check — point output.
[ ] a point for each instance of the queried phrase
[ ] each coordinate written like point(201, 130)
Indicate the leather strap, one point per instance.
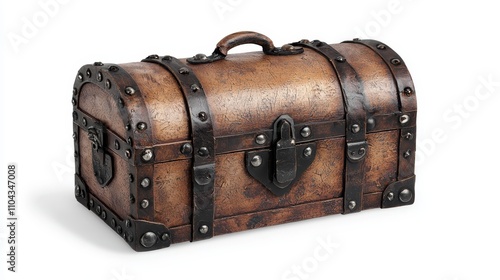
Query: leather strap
point(407, 104)
point(355, 134)
point(203, 172)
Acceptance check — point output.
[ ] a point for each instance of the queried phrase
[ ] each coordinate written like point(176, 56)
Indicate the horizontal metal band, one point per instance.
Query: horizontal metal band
point(244, 142)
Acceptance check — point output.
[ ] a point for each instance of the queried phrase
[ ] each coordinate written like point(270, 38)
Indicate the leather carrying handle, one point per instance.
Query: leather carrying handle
point(242, 38)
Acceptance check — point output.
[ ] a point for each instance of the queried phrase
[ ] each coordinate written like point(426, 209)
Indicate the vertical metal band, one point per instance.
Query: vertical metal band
point(355, 134)
point(407, 104)
point(203, 173)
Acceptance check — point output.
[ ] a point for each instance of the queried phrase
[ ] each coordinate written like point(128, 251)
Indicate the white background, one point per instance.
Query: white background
point(451, 48)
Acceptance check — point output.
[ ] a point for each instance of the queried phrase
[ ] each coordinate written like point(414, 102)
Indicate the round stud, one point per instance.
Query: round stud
point(75, 91)
point(117, 145)
point(108, 84)
point(73, 101)
point(288, 47)
point(256, 161)
point(203, 116)
point(153, 56)
point(130, 178)
point(77, 191)
point(99, 77)
point(408, 136)
point(308, 152)
point(104, 215)
point(390, 196)
point(75, 116)
point(352, 204)
point(355, 128)
point(144, 203)
point(381, 47)
point(84, 122)
point(88, 73)
point(145, 182)
point(403, 119)
point(261, 139)
point(147, 155)
point(113, 68)
point(405, 196)
point(80, 77)
point(195, 88)
point(129, 141)
point(149, 239)
point(408, 91)
point(98, 63)
point(91, 203)
point(113, 222)
point(128, 223)
point(119, 229)
point(74, 136)
point(141, 126)
point(305, 132)
point(183, 71)
point(201, 57)
point(98, 210)
point(362, 151)
point(129, 91)
point(203, 151)
point(340, 58)
point(83, 194)
point(203, 229)
point(370, 123)
point(187, 149)
point(165, 237)
point(407, 154)
point(131, 199)
point(128, 127)
point(396, 61)
point(121, 102)
point(130, 238)
point(167, 58)
point(128, 153)
point(356, 39)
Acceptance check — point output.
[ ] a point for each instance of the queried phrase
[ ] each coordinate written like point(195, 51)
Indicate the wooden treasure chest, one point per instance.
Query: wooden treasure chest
point(171, 150)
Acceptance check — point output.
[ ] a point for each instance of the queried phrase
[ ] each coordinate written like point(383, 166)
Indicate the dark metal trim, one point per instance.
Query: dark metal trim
point(102, 162)
point(141, 235)
point(203, 173)
point(399, 193)
point(355, 124)
point(407, 102)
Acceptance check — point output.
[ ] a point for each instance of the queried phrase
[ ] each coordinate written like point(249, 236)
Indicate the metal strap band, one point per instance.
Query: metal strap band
point(355, 134)
point(407, 104)
point(203, 173)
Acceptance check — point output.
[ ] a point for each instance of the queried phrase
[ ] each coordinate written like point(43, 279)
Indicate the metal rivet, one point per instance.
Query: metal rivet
point(195, 88)
point(167, 58)
point(147, 155)
point(99, 77)
point(304, 41)
point(119, 229)
point(381, 46)
point(129, 91)
point(84, 122)
point(74, 136)
point(88, 73)
point(356, 39)
point(75, 116)
point(355, 128)
point(130, 177)
point(407, 154)
point(184, 71)
point(141, 126)
point(370, 123)
point(203, 229)
point(408, 136)
point(77, 191)
point(129, 141)
point(261, 139)
point(108, 84)
point(201, 57)
point(395, 61)
point(104, 215)
point(404, 119)
point(75, 91)
point(117, 145)
point(165, 237)
point(305, 132)
point(256, 161)
point(83, 193)
point(91, 203)
point(131, 199)
point(405, 195)
point(148, 239)
point(361, 151)
point(352, 204)
point(187, 149)
point(128, 223)
point(113, 222)
point(153, 56)
point(98, 63)
point(308, 152)
point(203, 151)
point(130, 238)
point(408, 91)
point(145, 182)
point(288, 47)
point(390, 196)
point(144, 203)
point(128, 153)
point(128, 126)
point(203, 116)
point(80, 77)
point(73, 101)
point(340, 58)
point(113, 68)
point(121, 102)
point(98, 210)
point(75, 154)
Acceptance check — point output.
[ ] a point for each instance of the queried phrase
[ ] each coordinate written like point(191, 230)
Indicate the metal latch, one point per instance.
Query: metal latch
point(279, 167)
point(101, 161)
